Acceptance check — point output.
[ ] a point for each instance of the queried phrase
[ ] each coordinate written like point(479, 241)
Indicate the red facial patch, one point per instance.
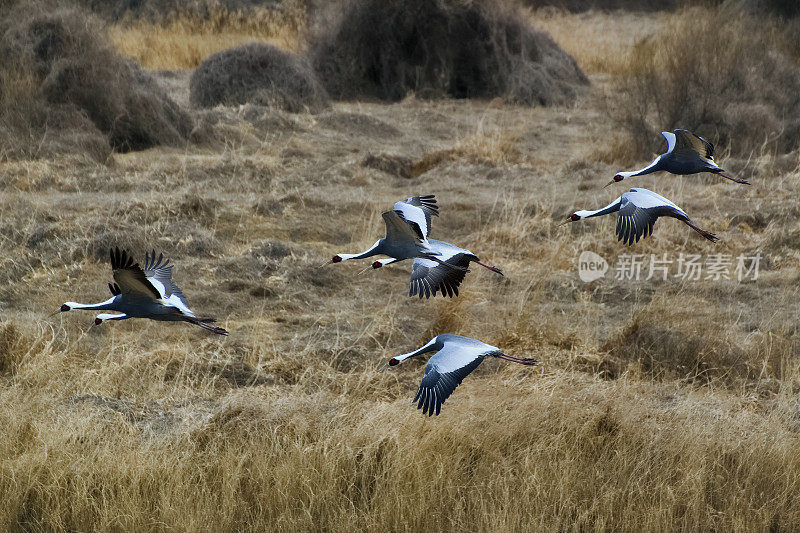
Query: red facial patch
point(336, 259)
point(573, 217)
point(393, 362)
point(618, 177)
point(377, 264)
point(97, 321)
point(64, 307)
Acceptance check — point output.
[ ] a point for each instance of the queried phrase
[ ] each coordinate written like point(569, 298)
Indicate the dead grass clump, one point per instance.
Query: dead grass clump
point(717, 72)
point(393, 164)
point(671, 338)
point(12, 348)
point(66, 74)
point(258, 73)
point(386, 49)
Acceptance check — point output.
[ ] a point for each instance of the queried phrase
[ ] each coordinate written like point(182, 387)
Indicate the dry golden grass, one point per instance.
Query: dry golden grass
point(600, 43)
point(732, 91)
point(658, 405)
point(184, 42)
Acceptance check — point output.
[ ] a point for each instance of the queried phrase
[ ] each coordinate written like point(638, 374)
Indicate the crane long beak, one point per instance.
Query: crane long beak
point(365, 269)
point(54, 313)
point(612, 182)
point(565, 222)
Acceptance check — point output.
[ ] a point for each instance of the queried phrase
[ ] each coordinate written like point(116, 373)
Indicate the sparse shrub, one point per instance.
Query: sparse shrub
point(257, 73)
point(65, 79)
point(717, 72)
point(465, 49)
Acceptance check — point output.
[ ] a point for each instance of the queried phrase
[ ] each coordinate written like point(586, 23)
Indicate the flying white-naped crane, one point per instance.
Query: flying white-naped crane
point(686, 154)
point(429, 277)
point(455, 358)
point(144, 293)
point(407, 228)
point(638, 211)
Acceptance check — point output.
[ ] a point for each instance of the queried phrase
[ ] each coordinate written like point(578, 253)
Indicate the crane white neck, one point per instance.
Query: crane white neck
point(652, 167)
point(375, 250)
point(429, 347)
point(610, 208)
point(108, 305)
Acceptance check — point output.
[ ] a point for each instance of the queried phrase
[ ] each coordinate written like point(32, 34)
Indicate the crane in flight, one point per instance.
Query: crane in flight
point(686, 154)
point(429, 277)
point(456, 356)
point(638, 211)
point(147, 292)
point(407, 228)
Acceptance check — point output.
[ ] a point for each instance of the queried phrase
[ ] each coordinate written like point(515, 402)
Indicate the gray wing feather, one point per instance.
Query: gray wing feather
point(437, 386)
point(634, 223)
point(397, 227)
point(688, 143)
point(160, 269)
point(428, 205)
point(429, 277)
point(129, 277)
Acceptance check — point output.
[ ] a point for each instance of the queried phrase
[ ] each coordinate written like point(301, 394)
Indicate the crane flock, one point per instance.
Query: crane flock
point(438, 267)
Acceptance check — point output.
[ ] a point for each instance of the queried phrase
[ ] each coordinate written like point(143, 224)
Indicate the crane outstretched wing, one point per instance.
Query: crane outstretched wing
point(638, 212)
point(418, 209)
point(443, 373)
point(687, 142)
point(160, 271)
point(129, 277)
point(634, 223)
point(428, 277)
point(398, 228)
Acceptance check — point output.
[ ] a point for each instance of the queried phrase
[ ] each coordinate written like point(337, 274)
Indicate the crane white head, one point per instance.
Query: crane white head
point(381, 262)
point(619, 176)
point(577, 215)
point(99, 319)
point(429, 347)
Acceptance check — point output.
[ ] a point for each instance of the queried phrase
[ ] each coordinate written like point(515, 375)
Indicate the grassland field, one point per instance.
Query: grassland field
point(658, 405)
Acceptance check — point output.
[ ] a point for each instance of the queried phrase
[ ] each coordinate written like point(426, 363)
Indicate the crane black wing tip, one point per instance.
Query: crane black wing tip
point(429, 201)
point(428, 401)
point(120, 258)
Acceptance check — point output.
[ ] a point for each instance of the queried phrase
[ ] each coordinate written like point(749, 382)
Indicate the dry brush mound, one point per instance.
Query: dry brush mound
point(257, 73)
point(385, 49)
point(65, 89)
point(719, 72)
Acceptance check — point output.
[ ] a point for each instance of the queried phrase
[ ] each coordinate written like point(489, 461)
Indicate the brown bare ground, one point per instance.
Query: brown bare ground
point(658, 405)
